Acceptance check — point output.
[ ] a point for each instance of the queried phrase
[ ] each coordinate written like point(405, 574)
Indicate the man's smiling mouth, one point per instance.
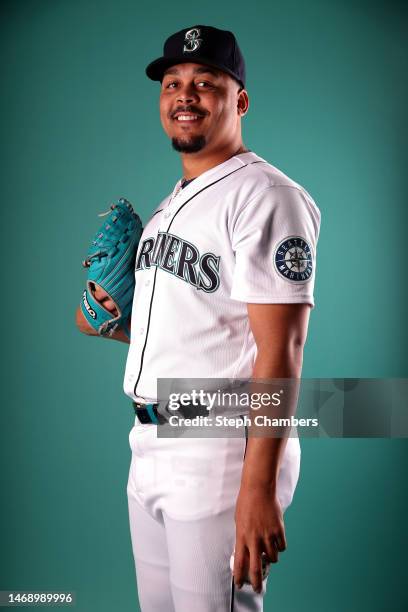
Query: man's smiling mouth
point(188, 115)
point(184, 117)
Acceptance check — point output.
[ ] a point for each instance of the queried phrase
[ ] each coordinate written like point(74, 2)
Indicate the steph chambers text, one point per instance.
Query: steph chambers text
point(241, 421)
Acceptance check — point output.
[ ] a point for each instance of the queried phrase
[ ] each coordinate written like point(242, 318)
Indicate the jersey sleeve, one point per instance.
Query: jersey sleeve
point(274, 239)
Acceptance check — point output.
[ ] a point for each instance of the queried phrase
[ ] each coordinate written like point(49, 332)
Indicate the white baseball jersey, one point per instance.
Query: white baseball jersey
point(241, 232)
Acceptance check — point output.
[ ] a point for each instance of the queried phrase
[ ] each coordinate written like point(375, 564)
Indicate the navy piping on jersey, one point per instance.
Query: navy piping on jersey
point(155, 271)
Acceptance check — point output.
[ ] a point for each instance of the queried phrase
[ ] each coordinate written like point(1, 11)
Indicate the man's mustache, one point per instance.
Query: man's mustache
point(188, 109)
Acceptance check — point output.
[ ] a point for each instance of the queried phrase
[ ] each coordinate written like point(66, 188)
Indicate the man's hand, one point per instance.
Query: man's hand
point(259, 528)
point(104, 299)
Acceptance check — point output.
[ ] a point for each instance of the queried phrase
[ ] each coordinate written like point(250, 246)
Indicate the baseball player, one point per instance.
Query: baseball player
point(218, 285)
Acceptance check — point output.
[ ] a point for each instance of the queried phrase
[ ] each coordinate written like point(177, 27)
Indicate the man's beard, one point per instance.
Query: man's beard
point(192, 145)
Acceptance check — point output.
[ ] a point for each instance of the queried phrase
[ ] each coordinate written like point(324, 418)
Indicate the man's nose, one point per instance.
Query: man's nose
point(187, 93)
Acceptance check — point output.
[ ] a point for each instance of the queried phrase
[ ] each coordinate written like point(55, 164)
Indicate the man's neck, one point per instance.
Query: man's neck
point(195, 164)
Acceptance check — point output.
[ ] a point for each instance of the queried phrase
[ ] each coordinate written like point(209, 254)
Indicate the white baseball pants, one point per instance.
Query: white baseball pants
point(181, 495)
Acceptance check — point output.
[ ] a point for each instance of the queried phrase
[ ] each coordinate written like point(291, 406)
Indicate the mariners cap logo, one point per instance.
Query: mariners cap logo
point(293, 259)
point(192, 40)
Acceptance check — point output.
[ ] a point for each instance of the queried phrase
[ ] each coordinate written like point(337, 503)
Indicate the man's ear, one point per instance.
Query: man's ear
point(242, 102)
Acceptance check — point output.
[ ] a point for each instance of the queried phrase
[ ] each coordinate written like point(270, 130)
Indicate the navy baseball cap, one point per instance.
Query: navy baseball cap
point(201, 45)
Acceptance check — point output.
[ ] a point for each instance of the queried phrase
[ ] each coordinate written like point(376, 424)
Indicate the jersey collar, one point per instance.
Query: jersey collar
point(180, 196)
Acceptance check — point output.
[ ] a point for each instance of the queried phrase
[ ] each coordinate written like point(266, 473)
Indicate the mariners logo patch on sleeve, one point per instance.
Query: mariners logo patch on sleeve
point(293, 259)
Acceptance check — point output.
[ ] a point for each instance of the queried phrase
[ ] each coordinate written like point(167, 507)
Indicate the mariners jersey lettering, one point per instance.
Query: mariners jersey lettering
point(241, 232)
point(181, 258)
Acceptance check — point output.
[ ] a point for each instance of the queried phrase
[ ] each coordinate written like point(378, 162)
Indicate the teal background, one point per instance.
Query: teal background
point(79, 122)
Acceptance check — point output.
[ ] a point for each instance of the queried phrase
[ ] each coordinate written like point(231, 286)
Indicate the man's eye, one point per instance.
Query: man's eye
point(203, 84)
point(170, 85)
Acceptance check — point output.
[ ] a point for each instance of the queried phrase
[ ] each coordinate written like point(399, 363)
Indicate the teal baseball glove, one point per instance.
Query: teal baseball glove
point(111, 266)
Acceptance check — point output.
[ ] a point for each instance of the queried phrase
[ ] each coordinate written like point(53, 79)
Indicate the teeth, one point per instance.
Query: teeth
point(187, 117)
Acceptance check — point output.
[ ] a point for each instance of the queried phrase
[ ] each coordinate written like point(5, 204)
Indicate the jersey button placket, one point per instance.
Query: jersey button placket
point(170, 210)
point(146, 296)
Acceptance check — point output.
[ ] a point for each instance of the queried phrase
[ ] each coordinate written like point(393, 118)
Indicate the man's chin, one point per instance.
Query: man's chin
point(189, 145)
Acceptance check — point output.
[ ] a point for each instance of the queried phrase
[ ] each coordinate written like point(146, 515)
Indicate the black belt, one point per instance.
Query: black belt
point(148, 413)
